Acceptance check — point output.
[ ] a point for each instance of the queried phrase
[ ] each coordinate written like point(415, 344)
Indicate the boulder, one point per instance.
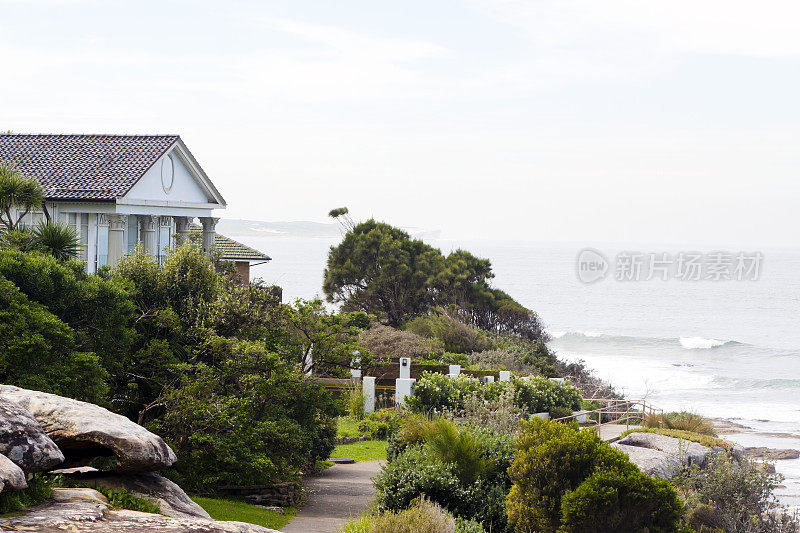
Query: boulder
point(88, 510)
point(772, 454)
point(170, 497)
point(11, 476)
point(688, 452)
point(23, 440)
point(90, 435)
point(652, 462)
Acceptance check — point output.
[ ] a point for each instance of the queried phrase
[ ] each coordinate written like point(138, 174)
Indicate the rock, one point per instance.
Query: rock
point(11, 476)
point(772, 454)
point(169, 496)
point(88, 510)
point(686, 451)
point(767, 468)
point(24, 441)
point(89, 435)
point(651, 462)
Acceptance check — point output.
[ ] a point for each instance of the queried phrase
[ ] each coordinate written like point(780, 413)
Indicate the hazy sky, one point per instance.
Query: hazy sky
point(575, 120)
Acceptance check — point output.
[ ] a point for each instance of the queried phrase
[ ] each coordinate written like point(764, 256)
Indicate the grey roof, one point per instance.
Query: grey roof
point(230, 249)
point(84, 167)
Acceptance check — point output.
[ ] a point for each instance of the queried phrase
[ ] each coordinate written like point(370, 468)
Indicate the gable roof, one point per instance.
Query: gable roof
point(86, 167)
point(232, 250)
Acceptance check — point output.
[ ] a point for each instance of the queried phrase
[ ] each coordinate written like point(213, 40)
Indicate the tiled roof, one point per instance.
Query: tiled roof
point(84, 167)
point(233, 250)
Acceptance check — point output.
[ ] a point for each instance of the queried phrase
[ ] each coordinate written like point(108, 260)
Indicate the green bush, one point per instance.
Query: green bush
point(468, 484)
point(551, 460)
point(455, 336)
point(120, 499)
point(380, 424)
point(610, 501)
point(437, 392)
point(541, 395)
point(681, 421)
point(468, 526)
point(356, 404)
point(39, 489)
point(559, 412)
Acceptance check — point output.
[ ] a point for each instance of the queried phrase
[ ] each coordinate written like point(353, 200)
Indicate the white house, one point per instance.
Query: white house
point(117, 190)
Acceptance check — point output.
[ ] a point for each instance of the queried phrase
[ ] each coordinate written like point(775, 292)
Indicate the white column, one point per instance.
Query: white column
point(404, 388)
point(454, 371)
point(116, 237)
point(368, 388)
point(209, 225)
point(182, 229)
point(505, 375)
point(149, 227)
point(405, 367)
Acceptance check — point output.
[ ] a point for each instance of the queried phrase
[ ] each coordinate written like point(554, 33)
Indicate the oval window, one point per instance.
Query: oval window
point(167, 173)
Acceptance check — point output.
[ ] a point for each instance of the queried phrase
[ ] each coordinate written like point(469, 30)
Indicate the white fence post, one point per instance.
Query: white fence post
point(505, 375)
point(454, 371)
point(368, 389)
point(405, 368)
point(404, 388)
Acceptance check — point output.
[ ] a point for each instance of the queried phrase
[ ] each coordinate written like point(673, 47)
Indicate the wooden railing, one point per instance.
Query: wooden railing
point(617, 411)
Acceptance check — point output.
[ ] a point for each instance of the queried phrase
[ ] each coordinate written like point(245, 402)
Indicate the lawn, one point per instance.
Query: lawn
point(365, 450)
point(347, 427)
point(233, 509)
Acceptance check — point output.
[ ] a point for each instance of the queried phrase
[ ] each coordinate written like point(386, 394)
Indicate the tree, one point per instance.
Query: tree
point(380, 270)
point(17, 191)
point(57, 239)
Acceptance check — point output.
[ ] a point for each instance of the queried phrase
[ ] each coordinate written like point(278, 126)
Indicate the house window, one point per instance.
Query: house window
point(102, 242)
point(80, 223)
point(164, 235)
point(133, 232)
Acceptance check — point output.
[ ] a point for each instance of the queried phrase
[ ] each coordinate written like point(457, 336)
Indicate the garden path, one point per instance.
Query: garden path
point(334, 496)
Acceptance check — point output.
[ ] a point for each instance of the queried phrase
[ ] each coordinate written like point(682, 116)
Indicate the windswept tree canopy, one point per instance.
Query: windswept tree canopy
point(381, 270)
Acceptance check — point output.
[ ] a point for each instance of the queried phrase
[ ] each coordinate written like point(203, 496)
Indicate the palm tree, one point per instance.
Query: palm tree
point(57, 239)
point(17, 191)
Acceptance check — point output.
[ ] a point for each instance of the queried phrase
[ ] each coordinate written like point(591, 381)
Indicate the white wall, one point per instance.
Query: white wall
point(184, 187)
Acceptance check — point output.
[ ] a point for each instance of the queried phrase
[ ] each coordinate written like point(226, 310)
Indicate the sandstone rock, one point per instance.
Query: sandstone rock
point(651, 462)
point(11, 476)
point(23, 440)
point(92, 436)
point(686, 451)
point(169, 496)
point(88, 510)
point(772, 454)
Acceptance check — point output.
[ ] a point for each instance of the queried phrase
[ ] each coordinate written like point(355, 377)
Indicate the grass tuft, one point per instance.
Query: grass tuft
point(365, 450)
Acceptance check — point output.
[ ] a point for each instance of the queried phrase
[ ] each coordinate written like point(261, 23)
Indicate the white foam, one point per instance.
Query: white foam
point(699, 343)
point(557, 334)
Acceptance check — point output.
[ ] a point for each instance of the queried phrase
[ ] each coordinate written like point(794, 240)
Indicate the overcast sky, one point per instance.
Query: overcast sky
point(576, 120)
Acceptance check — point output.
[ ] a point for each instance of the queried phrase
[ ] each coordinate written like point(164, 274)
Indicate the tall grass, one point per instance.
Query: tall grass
point(457, 446)
point(683, 420)
point(356, 403)
point(421, 515)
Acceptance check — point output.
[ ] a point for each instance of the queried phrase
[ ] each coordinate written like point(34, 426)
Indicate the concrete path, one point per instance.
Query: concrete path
point(334, 496)
point(611, 432)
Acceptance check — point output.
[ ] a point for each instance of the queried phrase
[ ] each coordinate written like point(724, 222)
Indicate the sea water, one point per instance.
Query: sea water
point(726, 349)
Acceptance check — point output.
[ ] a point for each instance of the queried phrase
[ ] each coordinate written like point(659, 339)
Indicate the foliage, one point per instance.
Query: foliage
point(120, 499)
point(365, 450)
point(610, 501)
point(705, 440)
point(682, 421)
point(17, 191)
point(734, 497)
point(57, 239)
point(40, 487)
point(421, 515)
point(323, 439)
point(240, 511)
point(550, 461)
point(381, 270)
point(414, 430)
point(356, 403)
point(464, 525)
point(247, 421)
point(390, 343)
point(455, 336)
point(438, 392)
point(39, 351)
point(347, 427)
point(500, 416)
point(469, 485)
point(381, 424)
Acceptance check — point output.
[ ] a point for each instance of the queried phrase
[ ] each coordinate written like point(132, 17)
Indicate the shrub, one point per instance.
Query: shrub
point(414, 430)
point(455, 336)
point(449, 478)
point(459, 447)
point(390, 343)
point(381, 424)
point(541, 395)
point(610, 501)
point(734, 497)
point(39, 489)
point(683, 421)
point(356, 404)
point(559, 412)
point(468, 526)
point(550, 460)
point(500, 416)
point(120, 499)
point(324, 439)
point(421, 515)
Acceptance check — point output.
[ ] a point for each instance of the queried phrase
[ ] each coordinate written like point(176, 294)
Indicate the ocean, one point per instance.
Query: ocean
point(724, 349)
